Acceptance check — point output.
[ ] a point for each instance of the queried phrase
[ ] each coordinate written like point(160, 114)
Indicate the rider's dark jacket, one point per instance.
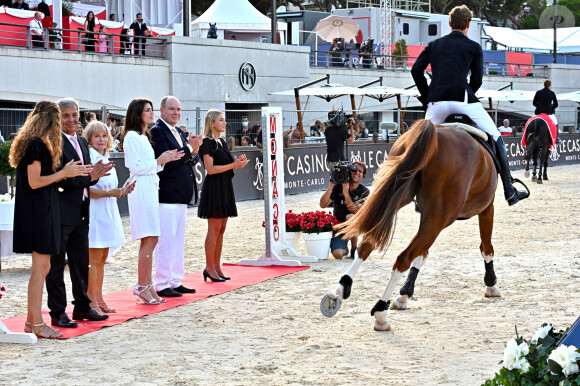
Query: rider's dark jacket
point(545, 101)
point(451, 58)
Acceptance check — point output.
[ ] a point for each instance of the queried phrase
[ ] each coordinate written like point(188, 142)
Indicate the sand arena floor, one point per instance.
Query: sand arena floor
point(274, 333)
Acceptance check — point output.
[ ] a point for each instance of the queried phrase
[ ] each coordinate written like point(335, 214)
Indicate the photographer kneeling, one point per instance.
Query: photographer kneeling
point(348, 197)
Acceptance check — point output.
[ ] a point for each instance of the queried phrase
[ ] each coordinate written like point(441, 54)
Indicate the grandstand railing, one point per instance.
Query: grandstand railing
point(354, 60)
point(70, 40)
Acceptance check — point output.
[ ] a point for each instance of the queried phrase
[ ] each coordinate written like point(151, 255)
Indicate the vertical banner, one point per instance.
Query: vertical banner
point(274, 204)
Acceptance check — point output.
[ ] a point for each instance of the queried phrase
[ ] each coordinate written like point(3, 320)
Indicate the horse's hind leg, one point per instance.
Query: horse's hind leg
point(407, 290)
point(486, 248)
point(428, 232)
point(543, 151)
point(546, 164)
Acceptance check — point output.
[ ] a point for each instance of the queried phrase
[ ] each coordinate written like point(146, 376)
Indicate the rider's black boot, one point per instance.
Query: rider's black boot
point(512, 195)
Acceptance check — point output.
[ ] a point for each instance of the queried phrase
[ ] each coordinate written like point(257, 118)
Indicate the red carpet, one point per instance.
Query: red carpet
point(125, 302)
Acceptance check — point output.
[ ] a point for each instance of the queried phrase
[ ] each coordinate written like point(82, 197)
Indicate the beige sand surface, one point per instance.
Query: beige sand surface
point(274, 333)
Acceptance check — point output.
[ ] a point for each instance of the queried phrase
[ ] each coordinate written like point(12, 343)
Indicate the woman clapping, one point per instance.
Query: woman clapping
point(106, 228)
point(144, 202)
point(36, 154)
point(217, 201)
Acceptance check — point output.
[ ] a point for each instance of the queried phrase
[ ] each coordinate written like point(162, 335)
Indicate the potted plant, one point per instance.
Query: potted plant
point(317, 232)
point(538, 361)
point(293, 229)
point(5, 168)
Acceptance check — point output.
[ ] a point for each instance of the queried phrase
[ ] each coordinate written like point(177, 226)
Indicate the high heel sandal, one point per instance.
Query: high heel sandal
point(105, 308)
point(95, 307)
point(37, 329)
point(154, 294)
point(206, 275)
point(140, 290)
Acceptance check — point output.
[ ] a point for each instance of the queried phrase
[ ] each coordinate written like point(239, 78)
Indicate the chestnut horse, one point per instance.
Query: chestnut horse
point(452, 177)
point(538, 142)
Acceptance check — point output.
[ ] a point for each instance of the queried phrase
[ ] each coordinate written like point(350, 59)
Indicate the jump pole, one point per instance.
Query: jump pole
point(278, 251)
point(7, 336)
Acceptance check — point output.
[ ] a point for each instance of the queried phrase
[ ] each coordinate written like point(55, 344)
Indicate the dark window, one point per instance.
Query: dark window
point(405, 28)
point(432, 29)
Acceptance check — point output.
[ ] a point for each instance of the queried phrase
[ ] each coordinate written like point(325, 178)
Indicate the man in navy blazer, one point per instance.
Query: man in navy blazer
point(177, 188)
point(452, 57)
point(545, 101)
point(74, 200)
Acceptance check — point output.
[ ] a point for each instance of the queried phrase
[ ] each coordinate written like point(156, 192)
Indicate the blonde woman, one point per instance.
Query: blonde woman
point(217, 201)
point(36, 154)
point(144, 203)
point(105, 226)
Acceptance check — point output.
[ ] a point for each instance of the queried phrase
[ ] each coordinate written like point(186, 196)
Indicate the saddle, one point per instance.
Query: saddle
point(464, 122)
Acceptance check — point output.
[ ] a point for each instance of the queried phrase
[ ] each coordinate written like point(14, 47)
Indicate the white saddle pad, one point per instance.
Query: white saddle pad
point(470, 129)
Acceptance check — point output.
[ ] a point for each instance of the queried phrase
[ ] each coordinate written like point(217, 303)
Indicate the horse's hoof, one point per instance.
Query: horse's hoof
point(400, 303)
point(534, 178)
point(330, 305)
point(540, 181)
point(545, 178)
point(527, 173)
point(492, 292)
point(386, 326)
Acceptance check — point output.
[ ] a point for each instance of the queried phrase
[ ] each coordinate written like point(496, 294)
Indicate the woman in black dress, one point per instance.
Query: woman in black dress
point(36, 153)
point(217, 201)
point(90, 28)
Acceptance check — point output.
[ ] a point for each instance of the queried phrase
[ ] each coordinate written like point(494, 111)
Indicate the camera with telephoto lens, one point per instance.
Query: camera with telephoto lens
point(339, 118)
point(340, 173)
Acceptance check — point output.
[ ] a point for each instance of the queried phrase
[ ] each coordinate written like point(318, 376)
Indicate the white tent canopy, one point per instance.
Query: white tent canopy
point(237, 17)
point(537, 40)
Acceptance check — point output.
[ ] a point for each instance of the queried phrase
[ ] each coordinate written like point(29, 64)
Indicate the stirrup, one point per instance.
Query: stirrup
point(518, 181)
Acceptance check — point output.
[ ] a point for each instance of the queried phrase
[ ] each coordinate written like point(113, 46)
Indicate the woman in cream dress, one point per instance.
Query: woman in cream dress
point(144, 201)
point(106, 228)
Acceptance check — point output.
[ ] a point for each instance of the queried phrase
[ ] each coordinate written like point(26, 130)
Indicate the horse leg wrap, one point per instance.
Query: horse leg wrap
point(346, 282)
point(409, 286)
point(380, 306)
point(490, 279)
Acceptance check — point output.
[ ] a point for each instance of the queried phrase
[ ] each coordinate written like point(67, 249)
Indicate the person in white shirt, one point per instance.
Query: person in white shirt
point(36, 30)
point(505, 129)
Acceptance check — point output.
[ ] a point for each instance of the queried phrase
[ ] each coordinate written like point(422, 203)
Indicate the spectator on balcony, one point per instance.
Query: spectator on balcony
point(44, 8)
point(21, 4)
point(335, 54)
point(126, 40)
point(102, 40)
point(36, 30)
point(89, 35)
point(112, 17)
point(140, 30)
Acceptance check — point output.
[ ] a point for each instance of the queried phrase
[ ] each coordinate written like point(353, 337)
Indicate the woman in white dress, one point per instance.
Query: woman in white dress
point(144, 202)
point(106, 228)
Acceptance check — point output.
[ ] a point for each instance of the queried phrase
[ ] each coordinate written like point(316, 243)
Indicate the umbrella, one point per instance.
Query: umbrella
point(569, 96)
point(326, 92)
point(332, 27)
point(506, 95)
point(381, 93)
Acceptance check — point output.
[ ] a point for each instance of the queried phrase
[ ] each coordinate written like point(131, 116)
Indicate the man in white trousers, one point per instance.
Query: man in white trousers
point(452, 57)
point(177, 188)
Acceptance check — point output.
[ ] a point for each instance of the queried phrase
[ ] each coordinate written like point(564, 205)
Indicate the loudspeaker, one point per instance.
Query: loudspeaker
point(572, 336)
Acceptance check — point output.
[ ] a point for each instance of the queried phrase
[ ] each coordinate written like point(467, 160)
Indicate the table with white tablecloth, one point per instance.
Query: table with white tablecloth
point(6, 226)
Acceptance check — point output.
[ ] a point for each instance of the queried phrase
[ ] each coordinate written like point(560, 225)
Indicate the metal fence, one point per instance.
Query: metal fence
point(69, 40)
point(11, 119)
point(354, 60)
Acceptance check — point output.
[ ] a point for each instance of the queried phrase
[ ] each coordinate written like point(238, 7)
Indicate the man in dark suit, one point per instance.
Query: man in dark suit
point(74, 200)
point(140, 30)
point(545, 101)
point(177, 188)
point(21, 4)
point(451, 58)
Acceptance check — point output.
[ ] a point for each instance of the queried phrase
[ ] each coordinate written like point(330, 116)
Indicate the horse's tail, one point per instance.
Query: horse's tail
point(377, 217)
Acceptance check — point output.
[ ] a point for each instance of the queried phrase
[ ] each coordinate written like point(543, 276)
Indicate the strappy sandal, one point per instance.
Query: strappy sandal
point(106, 308)
point(95, 307)
point(37, 330)
point(140, 291)
point(154, 294)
